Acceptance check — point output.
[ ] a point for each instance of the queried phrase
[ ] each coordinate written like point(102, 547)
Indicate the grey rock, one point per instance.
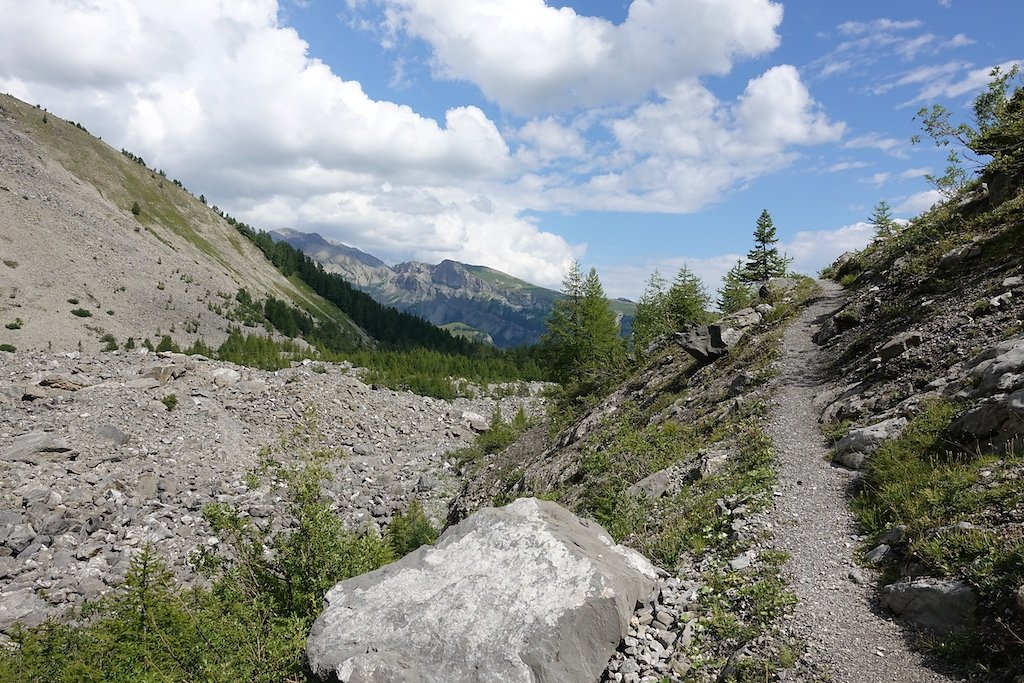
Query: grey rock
point(1013, 282)
point(112, 434)
point(706, 343)
point(999, 368)
point(475, 421)
point(143, 383)
point(21, 606)
point(744, 317)
point(899, 344)
point(20, 537)
point(653, 486)
point(27, 445)
point(880, 553)
point(939, 605)
point(894, 536)
point(997, 422)
point(225, 377)
point(852, 448)
point(455, 613)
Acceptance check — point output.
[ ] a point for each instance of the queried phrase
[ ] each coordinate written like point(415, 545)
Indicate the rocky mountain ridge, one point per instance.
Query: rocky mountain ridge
point(507, 311)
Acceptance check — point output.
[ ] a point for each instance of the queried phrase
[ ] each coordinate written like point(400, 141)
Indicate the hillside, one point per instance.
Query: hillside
point(78, 265)
point(506, 310)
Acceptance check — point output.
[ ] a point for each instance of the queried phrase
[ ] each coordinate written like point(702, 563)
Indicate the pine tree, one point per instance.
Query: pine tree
point(764, 261)
point(687, 300)
point(735, 294)
point(882, 219)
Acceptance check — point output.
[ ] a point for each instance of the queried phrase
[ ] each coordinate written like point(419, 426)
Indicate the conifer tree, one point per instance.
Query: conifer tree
point(735, 294)
point(764, 261)
point(687, 300)
point(651, 317)
point(582, 344)
point(882, 219)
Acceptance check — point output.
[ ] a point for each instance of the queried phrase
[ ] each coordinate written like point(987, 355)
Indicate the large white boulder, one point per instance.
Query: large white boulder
point(527, 592)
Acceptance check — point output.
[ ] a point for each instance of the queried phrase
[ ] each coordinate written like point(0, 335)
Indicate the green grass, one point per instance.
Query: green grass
point(81, 312)
point(951, 502)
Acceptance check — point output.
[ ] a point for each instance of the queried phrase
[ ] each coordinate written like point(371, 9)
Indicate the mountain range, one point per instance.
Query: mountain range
point(477, 301)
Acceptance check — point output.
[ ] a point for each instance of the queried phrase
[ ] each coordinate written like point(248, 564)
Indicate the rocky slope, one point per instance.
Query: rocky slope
point(508, 311)
point(76, 264)
point(101, 453)
point(930, 352)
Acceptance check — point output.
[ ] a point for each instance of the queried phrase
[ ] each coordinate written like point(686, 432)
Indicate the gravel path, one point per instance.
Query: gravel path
point(846, 634)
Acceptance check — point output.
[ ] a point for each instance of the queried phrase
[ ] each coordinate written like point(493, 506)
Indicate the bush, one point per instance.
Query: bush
point(9, 348)
point(136, 209)
point(81, 312)
point(170, 400)
point(410, 530)
point(16, 325)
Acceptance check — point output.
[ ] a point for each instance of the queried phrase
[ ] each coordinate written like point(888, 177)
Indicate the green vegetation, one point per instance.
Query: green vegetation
point(881, 218)
point(956, 507)
point(16, 325)
point(582, 349)
point(662, 311)
point(265, 590)
point(410, 530)
point(764, 261)
point(997, 133)
point(109, 342)
point(9, 348)
point(170, 400)
point(10, 263)
point(735, 293)
point(81, 312)
point(499, 435)
point(136, 209)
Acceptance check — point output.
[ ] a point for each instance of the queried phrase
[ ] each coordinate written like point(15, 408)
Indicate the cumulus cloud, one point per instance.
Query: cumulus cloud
point(528, 56)
point(812, 250)
point(957, 82)
point(682, 152)
point(224, 96)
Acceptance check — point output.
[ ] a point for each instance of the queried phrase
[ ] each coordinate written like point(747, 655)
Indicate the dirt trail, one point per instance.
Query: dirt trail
point(846, 633)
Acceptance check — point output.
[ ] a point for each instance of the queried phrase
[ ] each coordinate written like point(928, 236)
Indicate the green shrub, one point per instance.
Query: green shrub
point(9, 348)
point(136, 209)
point(16, 325)
point(73, 301)
point(167, 344)
point(410, 530)
point(10, 263)
point(81, 313)
point(170, 400)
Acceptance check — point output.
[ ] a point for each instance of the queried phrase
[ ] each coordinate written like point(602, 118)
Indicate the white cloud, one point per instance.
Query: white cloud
point(859, 28)
point(847, 166)
point(685, 150)
point(877, 179)
point(812, 250)
point(919, 202)
point(956, 83)
point(913, 173)
point(891, 146)
point(530, 57)
point(221, 95)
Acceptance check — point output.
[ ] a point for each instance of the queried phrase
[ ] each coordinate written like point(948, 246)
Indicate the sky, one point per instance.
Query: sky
point(525, 134)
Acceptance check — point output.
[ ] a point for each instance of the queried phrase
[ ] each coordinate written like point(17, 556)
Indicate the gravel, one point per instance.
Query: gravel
point(846, 632)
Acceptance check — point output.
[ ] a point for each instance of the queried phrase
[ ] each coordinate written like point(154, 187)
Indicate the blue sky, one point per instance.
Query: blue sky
point(518, 134)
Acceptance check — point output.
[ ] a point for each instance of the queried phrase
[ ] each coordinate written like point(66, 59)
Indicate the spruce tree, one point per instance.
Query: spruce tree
point(764, 261)
point(735, 294)
point(882, 219)
point(687, 300)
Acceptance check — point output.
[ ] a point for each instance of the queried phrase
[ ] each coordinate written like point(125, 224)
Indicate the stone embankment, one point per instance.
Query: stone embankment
point(100, 454)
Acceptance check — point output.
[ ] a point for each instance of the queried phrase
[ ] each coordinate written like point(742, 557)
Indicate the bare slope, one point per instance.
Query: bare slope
point(69, 242)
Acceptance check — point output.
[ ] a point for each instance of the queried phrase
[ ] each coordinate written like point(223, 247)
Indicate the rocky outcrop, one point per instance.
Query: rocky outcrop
point(454, 612)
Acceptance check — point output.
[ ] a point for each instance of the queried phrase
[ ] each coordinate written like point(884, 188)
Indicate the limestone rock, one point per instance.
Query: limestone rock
point(225, 377)
point(705, 343)
point(21, 606)
point(475, 421)
point(859, 443)
point(938, 605)
point(28, 445)
point(455, 612)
